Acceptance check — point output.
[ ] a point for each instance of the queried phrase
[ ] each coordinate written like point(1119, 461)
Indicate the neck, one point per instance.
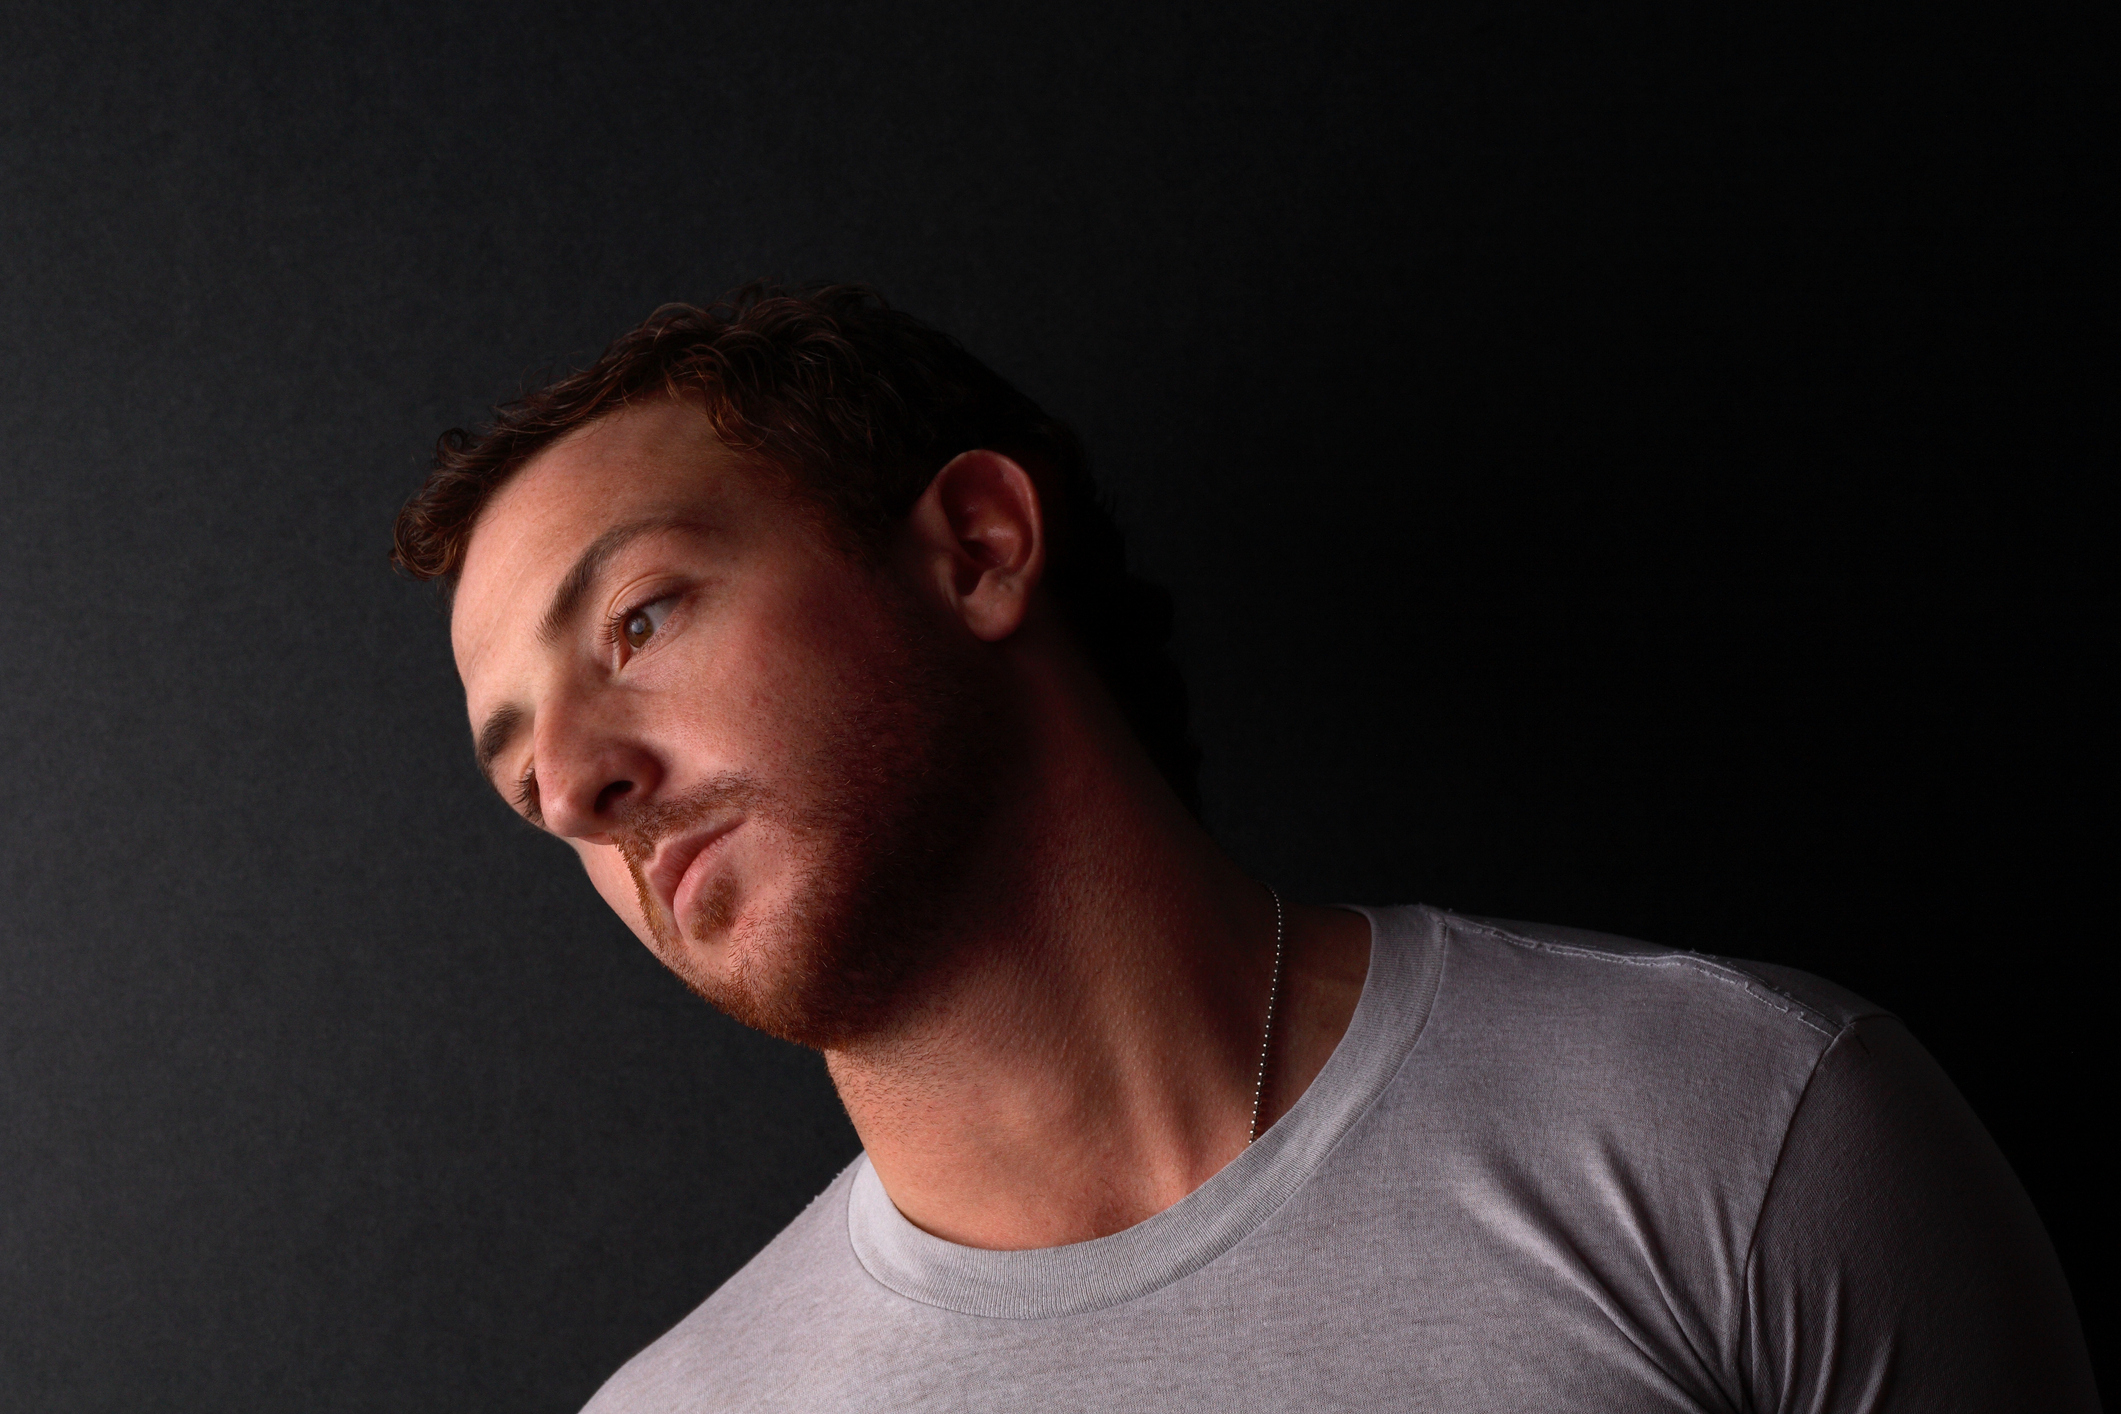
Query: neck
point(1091, 1059)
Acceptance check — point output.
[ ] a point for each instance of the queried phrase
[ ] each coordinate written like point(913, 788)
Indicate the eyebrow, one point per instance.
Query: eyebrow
point(505, 722)
point(567, 599)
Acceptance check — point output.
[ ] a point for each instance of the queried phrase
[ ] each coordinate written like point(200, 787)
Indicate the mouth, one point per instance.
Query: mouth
point(681, 865)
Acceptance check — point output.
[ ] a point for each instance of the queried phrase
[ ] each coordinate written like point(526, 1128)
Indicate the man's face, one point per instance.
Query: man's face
point(769, 754)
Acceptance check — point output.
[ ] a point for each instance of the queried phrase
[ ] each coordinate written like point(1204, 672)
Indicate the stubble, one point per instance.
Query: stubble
point(880, 823)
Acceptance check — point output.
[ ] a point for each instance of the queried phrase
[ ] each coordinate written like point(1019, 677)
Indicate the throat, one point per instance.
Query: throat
point(1057, 1094)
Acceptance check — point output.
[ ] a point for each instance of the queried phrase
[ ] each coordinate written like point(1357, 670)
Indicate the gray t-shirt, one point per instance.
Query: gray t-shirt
point(1543, 1170)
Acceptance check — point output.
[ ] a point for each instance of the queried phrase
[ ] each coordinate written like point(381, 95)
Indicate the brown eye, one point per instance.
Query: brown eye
point(640, 625)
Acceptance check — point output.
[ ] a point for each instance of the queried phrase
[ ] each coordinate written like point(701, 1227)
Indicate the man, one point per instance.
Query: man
point(807, 632)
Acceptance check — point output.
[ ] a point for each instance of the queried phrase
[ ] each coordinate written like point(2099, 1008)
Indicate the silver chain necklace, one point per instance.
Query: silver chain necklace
point(1266, 1037)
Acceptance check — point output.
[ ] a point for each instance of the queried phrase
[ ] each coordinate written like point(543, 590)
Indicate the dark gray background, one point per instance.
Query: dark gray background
point(1627, 466)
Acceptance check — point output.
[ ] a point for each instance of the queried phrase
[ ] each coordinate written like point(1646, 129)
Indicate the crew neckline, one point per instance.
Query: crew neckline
point(1406, 956)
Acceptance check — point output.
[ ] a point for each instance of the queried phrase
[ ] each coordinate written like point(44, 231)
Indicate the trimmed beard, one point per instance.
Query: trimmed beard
point(881, 820)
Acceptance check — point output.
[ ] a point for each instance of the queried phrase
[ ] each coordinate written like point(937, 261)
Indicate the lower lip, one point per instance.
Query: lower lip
point(694, 879)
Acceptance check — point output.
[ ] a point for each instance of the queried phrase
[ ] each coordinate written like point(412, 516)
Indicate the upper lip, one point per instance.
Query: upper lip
point(675, 855)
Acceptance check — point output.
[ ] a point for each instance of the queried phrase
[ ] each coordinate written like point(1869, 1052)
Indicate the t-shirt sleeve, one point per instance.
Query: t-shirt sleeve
point(1897, 1264)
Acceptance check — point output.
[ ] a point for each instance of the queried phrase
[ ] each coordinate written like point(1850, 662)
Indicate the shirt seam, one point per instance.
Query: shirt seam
point(1694, 962)
point(1767, 1191)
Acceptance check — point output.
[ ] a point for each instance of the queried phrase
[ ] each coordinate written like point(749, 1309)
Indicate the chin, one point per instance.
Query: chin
point(825, 920)
point(826, 961)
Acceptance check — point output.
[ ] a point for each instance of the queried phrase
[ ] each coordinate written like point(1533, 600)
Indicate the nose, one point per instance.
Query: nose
point(592, 772)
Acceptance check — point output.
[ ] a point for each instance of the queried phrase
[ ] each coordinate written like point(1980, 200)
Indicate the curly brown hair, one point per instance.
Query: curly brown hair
point(857, 405)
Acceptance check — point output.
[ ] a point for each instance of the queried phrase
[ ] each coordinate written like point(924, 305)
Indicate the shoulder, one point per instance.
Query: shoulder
point(716, 1347)
point(1775, 997)
point(1588, 1057)
point(1616, 999)
point(1764, 1172)
point(1895, 1233)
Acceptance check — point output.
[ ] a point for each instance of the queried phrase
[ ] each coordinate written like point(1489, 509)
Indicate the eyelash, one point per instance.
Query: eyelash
point(526, 795)
point(613, 632)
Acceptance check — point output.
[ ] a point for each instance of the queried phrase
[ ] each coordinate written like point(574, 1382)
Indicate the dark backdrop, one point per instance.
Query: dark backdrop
point(1626, 466)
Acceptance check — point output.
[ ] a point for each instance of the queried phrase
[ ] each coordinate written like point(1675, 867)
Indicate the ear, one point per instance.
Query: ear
point(980, 534)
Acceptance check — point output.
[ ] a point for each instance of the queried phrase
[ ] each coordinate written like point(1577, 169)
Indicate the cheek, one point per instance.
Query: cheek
point(781, 675)
point(607, 870)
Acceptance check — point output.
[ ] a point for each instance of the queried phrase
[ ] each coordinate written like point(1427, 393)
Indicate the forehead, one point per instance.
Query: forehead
point(656, 459)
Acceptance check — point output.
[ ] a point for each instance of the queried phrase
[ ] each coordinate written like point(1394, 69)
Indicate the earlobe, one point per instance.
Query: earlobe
point(982, 528)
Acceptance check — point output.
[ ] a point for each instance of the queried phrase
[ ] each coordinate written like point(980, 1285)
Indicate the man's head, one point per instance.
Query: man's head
point(725, 608)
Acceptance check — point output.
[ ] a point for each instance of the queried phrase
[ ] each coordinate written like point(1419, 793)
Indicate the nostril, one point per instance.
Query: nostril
point(609, 795)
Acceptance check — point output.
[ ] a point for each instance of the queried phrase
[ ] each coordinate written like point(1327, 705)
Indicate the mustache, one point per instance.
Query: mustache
point(646, 827)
